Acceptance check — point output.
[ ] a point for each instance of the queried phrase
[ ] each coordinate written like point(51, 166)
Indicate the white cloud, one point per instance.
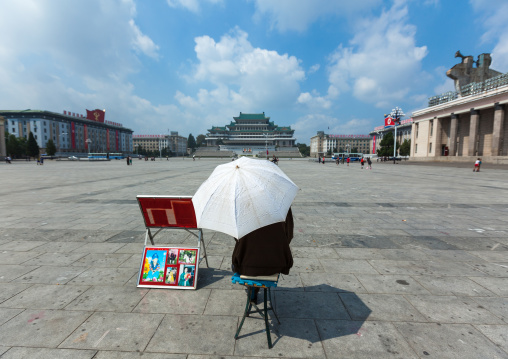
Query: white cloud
point(242, 77)
point(307, 126)
point(143, 43)
point(314, 100)
point(314, 68)
point(382, 63)
point(297, 16)
point(191, 5)
point(57, 55)
point(493, 15)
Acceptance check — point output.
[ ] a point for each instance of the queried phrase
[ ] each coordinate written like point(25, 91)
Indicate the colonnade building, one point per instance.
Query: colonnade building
point(322, 144)
point(71, 133)
point(468, 123)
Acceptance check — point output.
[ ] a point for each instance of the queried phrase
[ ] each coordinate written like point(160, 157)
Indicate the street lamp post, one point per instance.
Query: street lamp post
point(396, 115)
point(88, 141)
point(266, 145)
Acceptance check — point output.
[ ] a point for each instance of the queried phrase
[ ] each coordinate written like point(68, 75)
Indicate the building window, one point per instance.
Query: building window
point(431, 126)
point(430, 147)
point(416, 127)
point(416, 148)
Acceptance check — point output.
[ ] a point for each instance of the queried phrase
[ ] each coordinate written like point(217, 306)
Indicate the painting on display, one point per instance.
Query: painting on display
point(169, 267)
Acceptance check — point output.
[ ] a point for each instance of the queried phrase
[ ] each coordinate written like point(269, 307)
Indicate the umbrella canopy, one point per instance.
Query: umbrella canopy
point(242, 196)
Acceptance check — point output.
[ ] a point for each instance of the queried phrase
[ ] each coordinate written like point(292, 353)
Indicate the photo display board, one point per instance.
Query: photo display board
point(169, 267)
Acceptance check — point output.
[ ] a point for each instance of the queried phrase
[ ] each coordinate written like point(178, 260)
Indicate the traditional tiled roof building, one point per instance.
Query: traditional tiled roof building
point(251, 132)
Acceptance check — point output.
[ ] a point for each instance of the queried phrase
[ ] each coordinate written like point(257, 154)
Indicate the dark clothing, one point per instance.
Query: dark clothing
point(266, 250)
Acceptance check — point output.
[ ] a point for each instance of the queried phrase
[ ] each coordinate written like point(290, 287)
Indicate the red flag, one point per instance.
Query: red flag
point(389, 122)
point(95, 115)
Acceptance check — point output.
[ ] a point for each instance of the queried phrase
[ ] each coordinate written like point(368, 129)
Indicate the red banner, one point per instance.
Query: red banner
point(116, 139)
point(85, 137)
point(73, 135)
point(389, 122)
point(96, 115)
point(374, 144)
point(107, 139)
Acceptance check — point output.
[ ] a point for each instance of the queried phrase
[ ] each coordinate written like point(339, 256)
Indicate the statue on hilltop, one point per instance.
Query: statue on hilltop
point(464, 73)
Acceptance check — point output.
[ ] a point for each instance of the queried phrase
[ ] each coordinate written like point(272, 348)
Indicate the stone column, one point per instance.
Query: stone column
point(498, 130)
point(473, 132)
point(452, 146)
point(3, 150)
point(437, 136)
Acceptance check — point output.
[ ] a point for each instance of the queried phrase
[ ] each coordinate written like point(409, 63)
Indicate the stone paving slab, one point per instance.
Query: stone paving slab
point(349, 339)
point(184, 334)
point(409, 271)
point(40, 328)
point(114, 331)
point(454, 341)
point(45, 353)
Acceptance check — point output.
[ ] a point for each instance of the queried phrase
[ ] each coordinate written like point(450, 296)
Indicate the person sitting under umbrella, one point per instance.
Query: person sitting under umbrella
point(265, 251)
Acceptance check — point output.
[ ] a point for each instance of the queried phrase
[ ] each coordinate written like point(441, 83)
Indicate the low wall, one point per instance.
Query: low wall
point(497, 160)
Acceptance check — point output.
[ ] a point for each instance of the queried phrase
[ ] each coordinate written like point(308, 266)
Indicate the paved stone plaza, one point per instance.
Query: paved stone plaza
point(401, 261)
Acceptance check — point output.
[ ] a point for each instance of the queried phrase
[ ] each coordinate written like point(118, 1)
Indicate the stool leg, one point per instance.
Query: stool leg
point(245, 313)
point(266, 323)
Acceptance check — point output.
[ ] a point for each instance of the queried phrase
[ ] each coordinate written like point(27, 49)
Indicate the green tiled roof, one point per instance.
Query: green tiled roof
point(252, 116)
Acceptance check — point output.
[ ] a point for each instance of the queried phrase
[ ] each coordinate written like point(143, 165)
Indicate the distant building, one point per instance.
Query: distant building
point(403, 133)
point(466, 124)
point(323, 143)
point(71, 132)
point(251, 133)
point(177, 144)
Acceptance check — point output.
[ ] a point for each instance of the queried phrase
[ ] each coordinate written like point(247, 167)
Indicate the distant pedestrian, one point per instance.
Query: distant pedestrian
point(362, 161)
point(42, 160)
point(39, 160)
point(477, 164)
point(130, 160)
point(347, 160)
point(319, 159)
point(369, 163)
point(323, 159)
point(127, 159)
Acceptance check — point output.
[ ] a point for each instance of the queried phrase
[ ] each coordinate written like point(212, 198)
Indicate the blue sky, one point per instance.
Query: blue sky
point(185, 65)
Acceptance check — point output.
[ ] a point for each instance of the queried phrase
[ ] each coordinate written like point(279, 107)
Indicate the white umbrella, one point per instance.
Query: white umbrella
point(242, 196)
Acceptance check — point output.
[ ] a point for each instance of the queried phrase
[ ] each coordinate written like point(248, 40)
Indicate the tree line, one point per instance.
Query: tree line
point(20, 147)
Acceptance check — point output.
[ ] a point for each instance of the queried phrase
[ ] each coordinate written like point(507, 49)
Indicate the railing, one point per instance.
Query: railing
point(473, 88)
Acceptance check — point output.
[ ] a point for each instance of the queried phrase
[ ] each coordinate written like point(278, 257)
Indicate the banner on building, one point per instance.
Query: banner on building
point(85, 137)
point(73, 135)
point(374, 144)
point(116, 139)
point(107, 139)
point(96, 115)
